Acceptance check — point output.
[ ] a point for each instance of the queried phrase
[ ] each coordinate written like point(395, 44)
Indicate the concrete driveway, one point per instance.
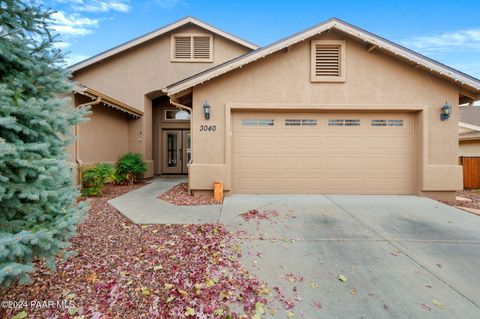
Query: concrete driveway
point(400, 255)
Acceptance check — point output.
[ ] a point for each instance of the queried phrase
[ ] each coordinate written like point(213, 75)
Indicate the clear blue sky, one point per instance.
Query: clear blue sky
point(448, 31)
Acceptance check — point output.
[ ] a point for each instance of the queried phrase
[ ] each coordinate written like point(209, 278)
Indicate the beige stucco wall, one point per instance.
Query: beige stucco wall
point(105, 137)
point(373, 81)
point(469, 148)
point(145, 70)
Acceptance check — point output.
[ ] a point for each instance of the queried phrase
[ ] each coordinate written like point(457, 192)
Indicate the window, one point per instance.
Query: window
point(344, 122)
point(300, 122)
point(328, 61)
point(192, 48)
point(176, 115)
point(257, 122)
point(379, 123)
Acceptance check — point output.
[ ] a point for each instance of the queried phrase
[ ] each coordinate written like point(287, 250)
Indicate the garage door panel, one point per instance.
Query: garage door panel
point(303, 184)
point(388, 163)
point(388, 142)
point(373, 157)
point(342, 184)
point(347, 142)
point(256, 163)
point(300, 142)
point(344, 163)
point(254, 183)
point(388, 184)
point(301, 163)
point(255, 142)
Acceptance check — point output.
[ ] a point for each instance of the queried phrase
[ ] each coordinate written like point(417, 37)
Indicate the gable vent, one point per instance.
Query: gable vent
point(187, 47)
point(201, 47)
point(327, 60)
point(183, 48)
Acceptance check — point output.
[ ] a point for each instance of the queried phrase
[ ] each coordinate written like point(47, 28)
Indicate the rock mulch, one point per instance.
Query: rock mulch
point(123, 270)
point(467, 199)
point(179, 195)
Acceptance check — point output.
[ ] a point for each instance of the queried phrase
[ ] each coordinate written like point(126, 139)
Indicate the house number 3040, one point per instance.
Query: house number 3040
point(208, 128)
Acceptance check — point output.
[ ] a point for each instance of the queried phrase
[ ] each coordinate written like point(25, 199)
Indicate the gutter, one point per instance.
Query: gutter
point(77, 140)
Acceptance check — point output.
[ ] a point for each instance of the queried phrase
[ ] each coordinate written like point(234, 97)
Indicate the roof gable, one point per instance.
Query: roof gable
point(470, 114)
point(468, 82)
point(154, 34)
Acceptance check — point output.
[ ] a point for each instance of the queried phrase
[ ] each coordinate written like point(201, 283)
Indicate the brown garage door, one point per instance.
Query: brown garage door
point(345, 153)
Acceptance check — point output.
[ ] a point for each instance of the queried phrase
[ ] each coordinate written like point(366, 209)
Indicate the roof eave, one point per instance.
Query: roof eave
point(156, 33)
point(463, 80)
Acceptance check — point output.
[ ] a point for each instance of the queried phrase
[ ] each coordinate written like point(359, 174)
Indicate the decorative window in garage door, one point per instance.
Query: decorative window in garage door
point(383, 123)
point(257, 122)
point(343, 122)
point(300, 122)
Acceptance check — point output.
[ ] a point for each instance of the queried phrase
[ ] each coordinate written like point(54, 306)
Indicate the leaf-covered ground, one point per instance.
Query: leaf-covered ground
point(123, 270)
point(179, 195)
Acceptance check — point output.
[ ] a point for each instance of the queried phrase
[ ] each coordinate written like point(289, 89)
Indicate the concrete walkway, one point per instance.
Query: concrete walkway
point(142, 206)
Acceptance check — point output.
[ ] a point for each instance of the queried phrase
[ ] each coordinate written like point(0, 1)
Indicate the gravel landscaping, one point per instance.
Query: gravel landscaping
point(180, 195)
point(473, 195)
point(123, 270)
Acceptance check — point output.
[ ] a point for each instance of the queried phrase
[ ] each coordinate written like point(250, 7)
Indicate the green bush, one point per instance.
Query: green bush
point(129, 167)
point(95, 178)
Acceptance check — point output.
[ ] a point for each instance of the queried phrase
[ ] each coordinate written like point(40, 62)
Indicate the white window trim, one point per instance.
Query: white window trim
point(343, 61)
point(191, 35)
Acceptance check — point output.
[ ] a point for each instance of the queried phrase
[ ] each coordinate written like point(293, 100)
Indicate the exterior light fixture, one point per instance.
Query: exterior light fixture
point(445, 112)
point(206, 110)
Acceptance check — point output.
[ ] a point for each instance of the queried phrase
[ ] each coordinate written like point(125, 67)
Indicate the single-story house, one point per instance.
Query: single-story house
point(331, 109)
point(469, 130)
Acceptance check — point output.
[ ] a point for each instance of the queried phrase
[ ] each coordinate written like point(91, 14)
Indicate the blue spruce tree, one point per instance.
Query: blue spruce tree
point(38, 213)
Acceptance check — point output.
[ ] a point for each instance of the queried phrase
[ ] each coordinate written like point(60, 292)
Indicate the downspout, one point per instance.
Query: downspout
point(77, 140)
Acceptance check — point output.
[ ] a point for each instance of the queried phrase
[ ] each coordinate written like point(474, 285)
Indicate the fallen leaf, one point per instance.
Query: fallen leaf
point(145, 291)
point(73, 310)
point(93, 278)
point(438, 304)
point(426, 307)
point(189, 311)
point(21, 315)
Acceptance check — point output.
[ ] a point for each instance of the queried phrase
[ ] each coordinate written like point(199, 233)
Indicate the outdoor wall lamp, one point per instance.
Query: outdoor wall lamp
point(445, 112)
point(206, 110)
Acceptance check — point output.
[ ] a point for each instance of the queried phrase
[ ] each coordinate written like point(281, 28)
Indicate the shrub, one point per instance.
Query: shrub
point(95, 178)
point(129, 167)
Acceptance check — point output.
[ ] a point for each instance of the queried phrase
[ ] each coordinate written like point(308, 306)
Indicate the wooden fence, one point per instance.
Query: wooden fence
point(471, 171)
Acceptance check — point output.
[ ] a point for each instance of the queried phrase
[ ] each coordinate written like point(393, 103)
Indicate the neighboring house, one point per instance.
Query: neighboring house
point(331, 109)
point(469, 131)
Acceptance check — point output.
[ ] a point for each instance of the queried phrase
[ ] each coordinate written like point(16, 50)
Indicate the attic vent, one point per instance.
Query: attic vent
point(328, 61)
point(201, 47)
point(183, 49)
point(192, 48)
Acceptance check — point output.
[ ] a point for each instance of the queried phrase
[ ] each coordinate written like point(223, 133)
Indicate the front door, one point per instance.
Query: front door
point(176, 151)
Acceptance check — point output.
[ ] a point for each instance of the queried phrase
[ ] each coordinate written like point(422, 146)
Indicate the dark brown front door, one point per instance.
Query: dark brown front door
point(176, 151)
